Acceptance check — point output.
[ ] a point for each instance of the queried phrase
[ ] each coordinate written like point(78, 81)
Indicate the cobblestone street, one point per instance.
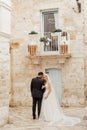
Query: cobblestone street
point(21, 119)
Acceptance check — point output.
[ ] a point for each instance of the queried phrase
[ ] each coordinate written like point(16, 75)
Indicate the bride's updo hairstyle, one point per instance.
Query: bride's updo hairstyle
point(45, 77)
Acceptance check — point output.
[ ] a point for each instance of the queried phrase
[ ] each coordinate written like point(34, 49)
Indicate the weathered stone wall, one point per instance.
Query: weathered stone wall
point(5, 25)
point(85, 48)
point(26, 17)
point(4, 81)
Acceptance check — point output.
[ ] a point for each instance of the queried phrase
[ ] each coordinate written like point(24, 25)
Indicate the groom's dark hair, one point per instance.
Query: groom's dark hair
point(40, 73)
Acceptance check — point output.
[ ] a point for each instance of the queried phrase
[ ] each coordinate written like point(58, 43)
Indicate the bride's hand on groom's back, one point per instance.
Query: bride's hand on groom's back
point(43, 86)
point(46, 97)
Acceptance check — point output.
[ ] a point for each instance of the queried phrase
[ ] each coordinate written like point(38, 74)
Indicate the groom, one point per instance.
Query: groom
point(37, 93)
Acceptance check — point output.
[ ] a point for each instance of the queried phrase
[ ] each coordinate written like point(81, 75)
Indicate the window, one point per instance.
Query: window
point(49, 24)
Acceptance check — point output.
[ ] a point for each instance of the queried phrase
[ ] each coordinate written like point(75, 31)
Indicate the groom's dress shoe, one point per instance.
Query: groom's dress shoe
point(34, 117)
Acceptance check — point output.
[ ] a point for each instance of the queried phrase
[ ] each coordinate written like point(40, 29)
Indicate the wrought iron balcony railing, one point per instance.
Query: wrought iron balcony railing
point(51, 47)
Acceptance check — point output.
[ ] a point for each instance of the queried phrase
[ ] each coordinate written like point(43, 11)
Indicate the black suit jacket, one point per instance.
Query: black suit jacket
point(36, 87)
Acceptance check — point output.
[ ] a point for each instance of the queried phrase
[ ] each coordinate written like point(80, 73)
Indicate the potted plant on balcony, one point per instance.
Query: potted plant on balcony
point(56, 32)
point(45, 40)
point(32, 45)
point(64, 43)
point(33, 32)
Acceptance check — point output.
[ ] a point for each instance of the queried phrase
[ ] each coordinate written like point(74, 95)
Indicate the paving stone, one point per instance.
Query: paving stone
point(21, 119)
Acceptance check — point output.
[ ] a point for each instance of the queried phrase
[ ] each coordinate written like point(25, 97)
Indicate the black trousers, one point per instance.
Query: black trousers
point(36, 101)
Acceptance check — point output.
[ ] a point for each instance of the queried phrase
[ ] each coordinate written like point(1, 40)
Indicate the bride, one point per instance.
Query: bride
point(51, 111)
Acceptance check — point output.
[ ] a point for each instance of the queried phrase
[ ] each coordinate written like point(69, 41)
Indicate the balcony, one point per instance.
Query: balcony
point(51, 50)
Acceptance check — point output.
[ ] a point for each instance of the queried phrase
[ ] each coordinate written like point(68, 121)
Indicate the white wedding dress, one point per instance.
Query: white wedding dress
point(52, 113)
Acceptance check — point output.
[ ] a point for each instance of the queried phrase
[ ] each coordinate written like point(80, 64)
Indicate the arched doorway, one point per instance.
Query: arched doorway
point(56, 79)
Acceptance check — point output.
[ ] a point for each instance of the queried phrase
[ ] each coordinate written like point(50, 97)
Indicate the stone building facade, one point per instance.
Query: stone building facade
point(5, 31)
point(85, 48)
point(68, 71)
point(27, 16)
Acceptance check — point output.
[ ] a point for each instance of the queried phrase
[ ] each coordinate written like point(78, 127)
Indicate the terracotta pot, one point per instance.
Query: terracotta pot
point(64, 49)
point(32, 49)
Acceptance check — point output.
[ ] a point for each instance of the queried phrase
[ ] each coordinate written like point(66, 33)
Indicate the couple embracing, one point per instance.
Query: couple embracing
point(37, 92)
point(43, 95)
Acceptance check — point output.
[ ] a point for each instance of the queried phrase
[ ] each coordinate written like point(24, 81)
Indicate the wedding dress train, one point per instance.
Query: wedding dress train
point(51, 111)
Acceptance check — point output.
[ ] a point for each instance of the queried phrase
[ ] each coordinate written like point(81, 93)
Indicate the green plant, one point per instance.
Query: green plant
point(33, 32)
point(45, 39)
point(57, 30)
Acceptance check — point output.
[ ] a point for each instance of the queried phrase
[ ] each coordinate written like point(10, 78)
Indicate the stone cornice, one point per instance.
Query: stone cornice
point(61, 58)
